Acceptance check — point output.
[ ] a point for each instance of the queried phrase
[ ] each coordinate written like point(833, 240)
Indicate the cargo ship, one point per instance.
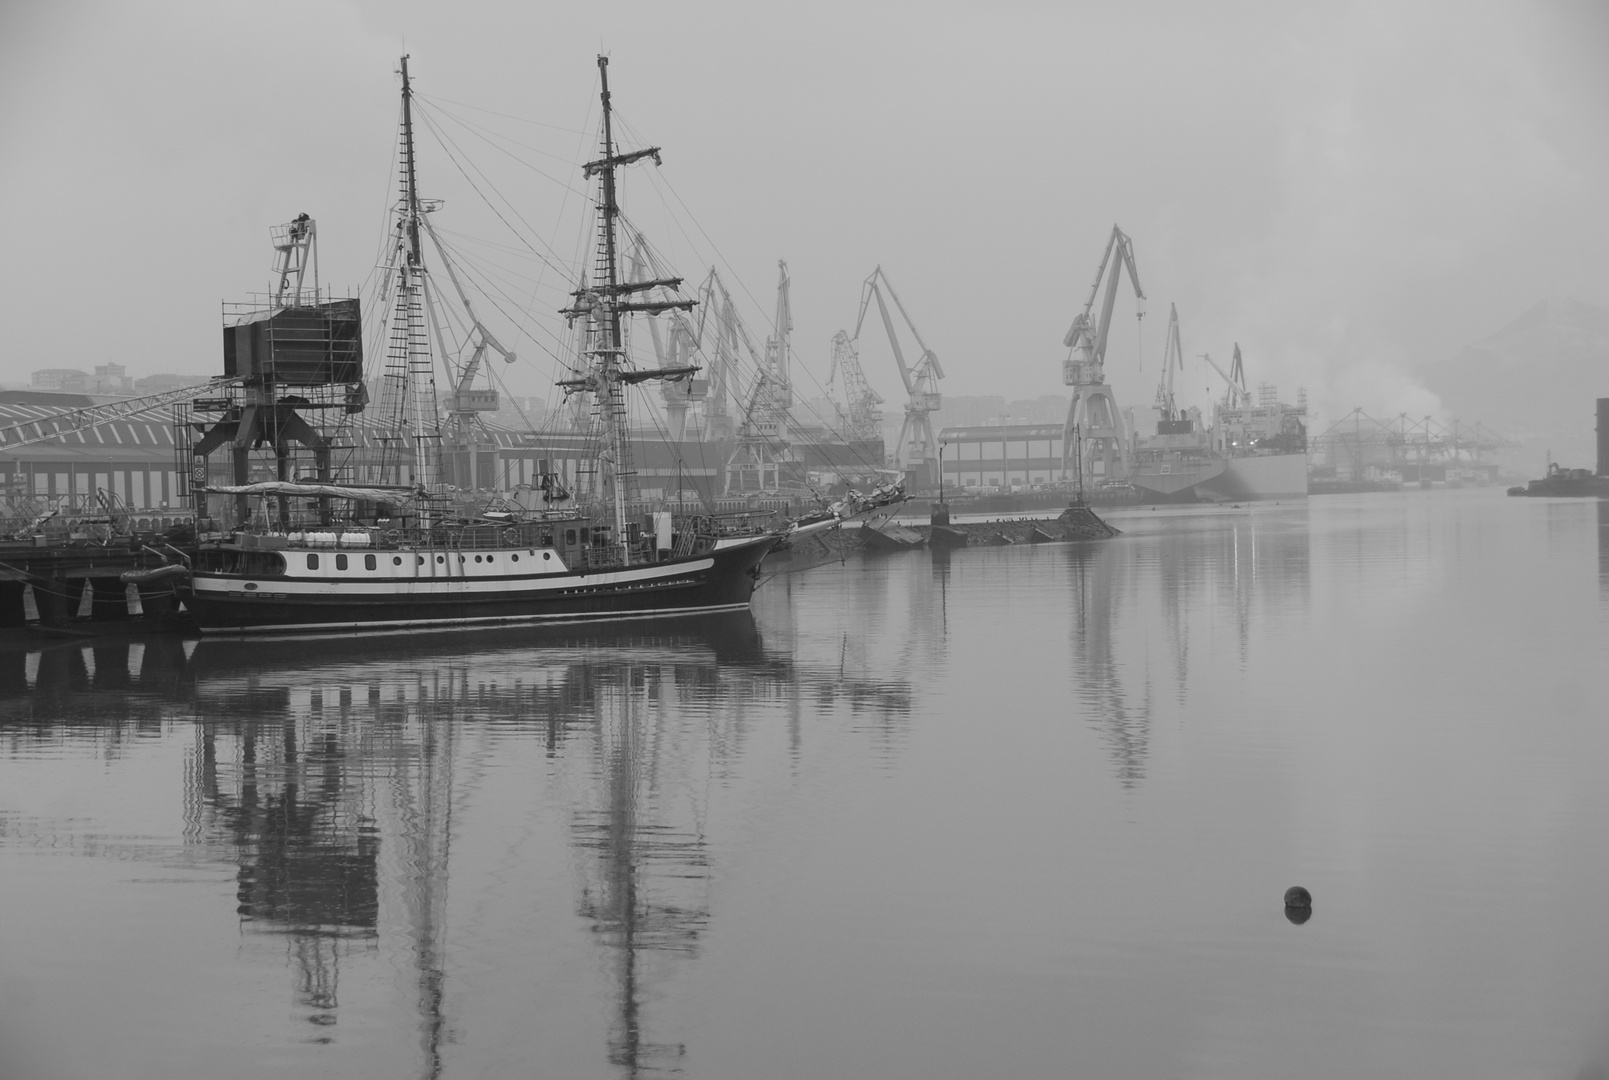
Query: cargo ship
point(1250, 451)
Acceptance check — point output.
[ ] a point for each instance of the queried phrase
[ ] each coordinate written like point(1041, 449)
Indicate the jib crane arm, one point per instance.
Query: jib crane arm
point(927, 363)
point(1237, 393)
point(487, 339)
point(1120, 243)
point(31, 432)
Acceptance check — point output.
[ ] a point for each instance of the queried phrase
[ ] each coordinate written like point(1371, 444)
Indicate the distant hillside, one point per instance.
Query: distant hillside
point(1535, 381)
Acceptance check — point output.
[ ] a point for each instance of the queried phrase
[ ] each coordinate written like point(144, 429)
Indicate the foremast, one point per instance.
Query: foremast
point(603, 304)
point(408, 389)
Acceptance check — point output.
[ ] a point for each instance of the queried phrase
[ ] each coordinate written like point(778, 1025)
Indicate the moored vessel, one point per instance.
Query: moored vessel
point(401, 553)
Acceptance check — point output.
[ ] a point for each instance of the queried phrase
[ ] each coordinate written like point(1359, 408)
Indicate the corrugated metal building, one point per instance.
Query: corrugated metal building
point(1002, 454)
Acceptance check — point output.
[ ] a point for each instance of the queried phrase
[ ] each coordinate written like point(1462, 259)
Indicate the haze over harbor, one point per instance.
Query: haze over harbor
point(1349, 191)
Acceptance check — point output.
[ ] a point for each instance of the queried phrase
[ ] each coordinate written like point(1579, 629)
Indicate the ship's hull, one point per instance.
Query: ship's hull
point(720, 580)
point(1260, 476)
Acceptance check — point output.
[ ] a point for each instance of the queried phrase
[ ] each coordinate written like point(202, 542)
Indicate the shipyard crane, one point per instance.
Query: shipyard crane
point(861, 419)
point(916, 448)
point(1094, 431)
point(673, 348)
point(465, 403)
point(1172, 359)
point(1236, 396)
point(764, 428)
point(295, 249)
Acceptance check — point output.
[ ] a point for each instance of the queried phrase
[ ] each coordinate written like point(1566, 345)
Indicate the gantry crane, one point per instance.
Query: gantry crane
point(861, 419)
point(916, 449)
point(1094, 431)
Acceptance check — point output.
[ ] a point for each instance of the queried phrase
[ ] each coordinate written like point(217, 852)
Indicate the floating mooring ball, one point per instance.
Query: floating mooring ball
point(1298, 897)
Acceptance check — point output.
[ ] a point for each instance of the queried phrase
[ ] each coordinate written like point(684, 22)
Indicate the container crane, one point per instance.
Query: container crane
point(1094, 429)
point(861, 419)
point(917, 449)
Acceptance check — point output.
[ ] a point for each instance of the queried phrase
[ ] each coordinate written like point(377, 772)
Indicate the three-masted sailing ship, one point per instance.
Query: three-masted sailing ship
point(397, 556)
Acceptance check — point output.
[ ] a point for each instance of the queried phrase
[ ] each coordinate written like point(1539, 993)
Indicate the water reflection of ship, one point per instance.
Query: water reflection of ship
point(325, 771)
point(630, 714)
point(1603, 550)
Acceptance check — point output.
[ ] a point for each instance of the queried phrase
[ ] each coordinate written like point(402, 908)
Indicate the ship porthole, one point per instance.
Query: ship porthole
point(547, 554)
point(477, 558)
point(441, 558)
point(251, 586)
point(462, 559)
point(396, 560)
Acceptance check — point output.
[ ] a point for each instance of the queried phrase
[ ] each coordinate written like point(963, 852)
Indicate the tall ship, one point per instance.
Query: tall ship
point(319, 547)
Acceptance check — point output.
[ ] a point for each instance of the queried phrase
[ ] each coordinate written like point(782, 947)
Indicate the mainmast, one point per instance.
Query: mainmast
point(613, 405)
point(602, 305)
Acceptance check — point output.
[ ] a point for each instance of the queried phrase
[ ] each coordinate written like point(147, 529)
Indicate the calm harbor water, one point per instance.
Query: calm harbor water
point(1009, 812)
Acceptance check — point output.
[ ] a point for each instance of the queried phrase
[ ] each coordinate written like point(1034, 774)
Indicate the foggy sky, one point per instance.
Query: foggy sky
point(1347, 190)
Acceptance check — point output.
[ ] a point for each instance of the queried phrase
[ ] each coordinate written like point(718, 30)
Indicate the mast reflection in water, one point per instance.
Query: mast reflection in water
point(330, 774)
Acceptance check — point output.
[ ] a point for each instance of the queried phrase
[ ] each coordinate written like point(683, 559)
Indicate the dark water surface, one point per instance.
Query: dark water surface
point(1011, 812)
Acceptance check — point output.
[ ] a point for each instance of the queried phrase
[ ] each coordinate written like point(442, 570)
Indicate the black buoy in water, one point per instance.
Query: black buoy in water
point(1298, 904)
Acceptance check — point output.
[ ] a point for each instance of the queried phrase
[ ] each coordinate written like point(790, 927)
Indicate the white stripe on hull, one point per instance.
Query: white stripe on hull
point(435, 589)
point(488, 620)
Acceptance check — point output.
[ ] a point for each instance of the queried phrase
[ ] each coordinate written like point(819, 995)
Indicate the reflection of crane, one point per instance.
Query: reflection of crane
point(917, 448)
point(862, 419)
point(1094, 428)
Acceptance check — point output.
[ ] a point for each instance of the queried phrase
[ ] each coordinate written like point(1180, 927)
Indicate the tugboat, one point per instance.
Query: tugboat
point(1565, 483)
point(399, 556)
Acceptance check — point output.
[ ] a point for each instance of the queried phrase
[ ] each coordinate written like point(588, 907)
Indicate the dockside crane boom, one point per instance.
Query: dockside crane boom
point(1086, 337)
point(47, 428)
point(1094, 432)
point(917, 448)
point(1236, 395)
point(1172, 360)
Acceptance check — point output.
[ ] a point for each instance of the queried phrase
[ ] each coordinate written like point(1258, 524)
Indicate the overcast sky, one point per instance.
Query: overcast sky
point(1344, 189)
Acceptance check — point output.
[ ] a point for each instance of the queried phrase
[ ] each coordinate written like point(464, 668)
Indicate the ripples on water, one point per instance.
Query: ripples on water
point(1002, 812)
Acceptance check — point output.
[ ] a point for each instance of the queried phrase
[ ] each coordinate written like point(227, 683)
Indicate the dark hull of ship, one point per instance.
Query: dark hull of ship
point(721, 580)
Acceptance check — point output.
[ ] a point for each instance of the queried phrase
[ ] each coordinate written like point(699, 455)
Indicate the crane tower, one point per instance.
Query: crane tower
point(1095, 433)
point(917, 450)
